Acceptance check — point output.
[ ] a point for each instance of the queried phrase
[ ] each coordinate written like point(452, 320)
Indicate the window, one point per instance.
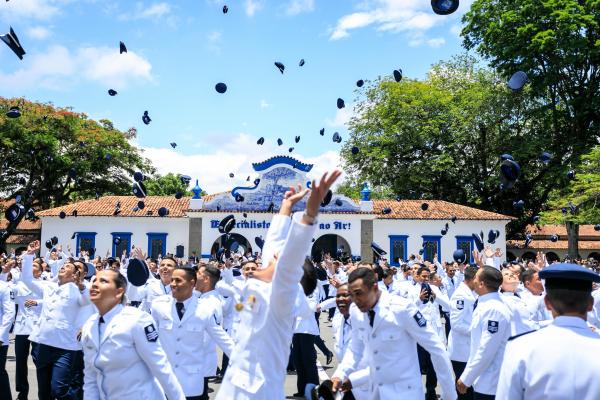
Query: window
point(86, 241)
point(398, 249)
point(432, 245)
point(466, 244)
point(125, 244)
point(157, 244)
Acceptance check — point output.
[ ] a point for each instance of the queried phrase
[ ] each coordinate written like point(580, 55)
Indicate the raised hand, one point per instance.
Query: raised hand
point(138, 253)
point(290, 198)
point(33, 247)
point(319, 191)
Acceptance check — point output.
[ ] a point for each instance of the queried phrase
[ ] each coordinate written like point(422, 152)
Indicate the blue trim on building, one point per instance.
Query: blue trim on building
point(433, 238)
point(122, 235)
point(157, 235)
point(282, 160)
point(462, 239)
point(85, 235)
point(398, 238)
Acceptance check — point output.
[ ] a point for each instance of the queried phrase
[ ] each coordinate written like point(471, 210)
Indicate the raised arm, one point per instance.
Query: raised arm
point(27, 269)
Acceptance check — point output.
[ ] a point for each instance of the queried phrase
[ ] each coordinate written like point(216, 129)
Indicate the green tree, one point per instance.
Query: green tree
point(557, 43)
point(442, 138)
point(166, 185)
point(52, 155)
point(583, 193)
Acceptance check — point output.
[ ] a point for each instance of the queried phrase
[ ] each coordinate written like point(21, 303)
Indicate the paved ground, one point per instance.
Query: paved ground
point(290, 382)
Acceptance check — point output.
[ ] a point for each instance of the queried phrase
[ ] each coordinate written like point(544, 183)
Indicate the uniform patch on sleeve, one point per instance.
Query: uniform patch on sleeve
point(460, 304)
point(421, 321)
point(151, 333)
point(12, 295)
point(492, 326)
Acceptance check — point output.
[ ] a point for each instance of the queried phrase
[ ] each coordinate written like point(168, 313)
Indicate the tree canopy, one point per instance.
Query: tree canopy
point(53, 155)
point(166, 185)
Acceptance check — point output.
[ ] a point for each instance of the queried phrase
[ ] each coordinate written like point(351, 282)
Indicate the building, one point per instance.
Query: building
point(589, 243)
point(26, 232)
point(347, 226)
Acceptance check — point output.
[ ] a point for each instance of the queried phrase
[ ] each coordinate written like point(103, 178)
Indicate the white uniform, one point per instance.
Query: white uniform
point(558, 362)
point(390, 348)
point(27, 317)
point(521, 321)
point(180, 340)
point(258, 362)
point(490, 330)
point(210, 302)
point(7, 311)
point(342, 330)
point(537, 308)
point(594, 315)
point(127, 361)
point(451, 284)
point(431, 309)
point(60, 308)
point(461, 315)
point(151, 290)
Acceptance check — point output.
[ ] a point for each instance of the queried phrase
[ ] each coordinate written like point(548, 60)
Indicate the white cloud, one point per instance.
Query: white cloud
point(213, 41)
point(252, 6)
point(409, 16)
point(295, 7)
point(30, 9)
point(264, 104)
point(58, 68)
point(38, 32)
point(419, 39)
point(212, 170)
point(342, 117)
point(155, 11)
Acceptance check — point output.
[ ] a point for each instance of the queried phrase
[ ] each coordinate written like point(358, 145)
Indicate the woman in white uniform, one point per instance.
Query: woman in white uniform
point(124, 358)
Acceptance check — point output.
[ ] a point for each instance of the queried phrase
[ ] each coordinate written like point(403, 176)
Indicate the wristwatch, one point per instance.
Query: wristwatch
point(308, 218)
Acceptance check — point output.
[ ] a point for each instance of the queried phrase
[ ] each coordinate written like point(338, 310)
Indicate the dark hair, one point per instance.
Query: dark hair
point(387, 273)
point(366, 274)
point(569, 301)
point(190, 273)
point(169, 258)
point(527, 275)
point(309, 277)
point(421, 269)
point(379, 271)
point(120, 282)
point(491, 278)
point(405, 267)
point(470, 273)
point(213, 273)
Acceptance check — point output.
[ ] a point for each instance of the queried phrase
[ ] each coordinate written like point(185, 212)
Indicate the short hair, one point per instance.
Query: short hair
point(470, 273)
point(190, 273)
point(491, 278)
point(387, 273)
point(169, 258)
point(379, 271)
point(213, 273)
point(527, 275)
point(421, 269)
point(569, 301)
point(309, 277)
point(405, 267)
point(366, 274)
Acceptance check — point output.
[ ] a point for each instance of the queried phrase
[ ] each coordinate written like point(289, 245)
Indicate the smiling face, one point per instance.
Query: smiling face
point(182, 284)
point(165, 270)
point(363, 296)
point(68, 273)
point(510, 281)
point(104, 292)
point(343, 300)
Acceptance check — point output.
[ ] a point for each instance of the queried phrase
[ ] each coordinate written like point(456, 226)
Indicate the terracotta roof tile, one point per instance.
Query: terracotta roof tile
point(23, 225)
point(547, 244)
point(438, 209)
point(561, 230)
point(105, 207)
point(22, 239)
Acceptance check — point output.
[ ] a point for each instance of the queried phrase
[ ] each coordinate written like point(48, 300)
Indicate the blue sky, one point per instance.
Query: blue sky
point(179, 50)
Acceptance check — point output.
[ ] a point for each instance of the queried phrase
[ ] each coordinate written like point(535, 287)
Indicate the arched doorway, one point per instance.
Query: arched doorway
point(595, 255)
point(225, 241)
point(510, 256)
point(528, 255)
point(552, 257)
point(334, 245)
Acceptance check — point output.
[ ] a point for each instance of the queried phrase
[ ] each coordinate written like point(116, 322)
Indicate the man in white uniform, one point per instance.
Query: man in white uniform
point(559, 362)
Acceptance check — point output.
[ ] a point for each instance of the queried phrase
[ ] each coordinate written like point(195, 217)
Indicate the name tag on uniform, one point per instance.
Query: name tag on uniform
point(151, 333)
point(492, 326)
point(460, 304)
point(421, 321)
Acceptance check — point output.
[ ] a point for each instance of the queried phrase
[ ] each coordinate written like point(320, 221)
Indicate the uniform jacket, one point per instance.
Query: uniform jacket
point(210, 302)
point(490, 330)
point(7, 311)
point(151, 290)
point(461, 315)
point(129, 362)
point(558, 362)
point(257, 365)
point(181, 340)
point(390, 347)
point(27, 317)
point(61, 305)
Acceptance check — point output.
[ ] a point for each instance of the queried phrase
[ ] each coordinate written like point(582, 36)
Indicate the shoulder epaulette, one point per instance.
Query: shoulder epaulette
point(519, 335)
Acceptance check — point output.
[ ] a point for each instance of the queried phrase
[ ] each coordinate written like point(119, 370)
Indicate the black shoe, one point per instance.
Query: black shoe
point(329, 358)
point(298, 395)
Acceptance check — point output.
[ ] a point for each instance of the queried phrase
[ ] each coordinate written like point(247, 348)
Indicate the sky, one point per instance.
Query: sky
point(179, 50)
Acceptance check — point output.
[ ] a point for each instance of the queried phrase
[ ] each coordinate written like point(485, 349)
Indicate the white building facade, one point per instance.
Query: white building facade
point(347, 227)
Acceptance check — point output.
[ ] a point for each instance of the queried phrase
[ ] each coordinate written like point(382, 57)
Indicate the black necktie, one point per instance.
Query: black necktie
point(371, 317)
point(101, 320)
point(517, 294)
point(475, 304)
point(179, 308)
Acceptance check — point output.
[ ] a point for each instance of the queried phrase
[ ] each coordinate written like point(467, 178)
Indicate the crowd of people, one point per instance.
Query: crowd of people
point(482, 330)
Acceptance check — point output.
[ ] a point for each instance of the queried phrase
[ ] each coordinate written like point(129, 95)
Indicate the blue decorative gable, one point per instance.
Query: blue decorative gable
point(280, 160)
point(277, 174)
